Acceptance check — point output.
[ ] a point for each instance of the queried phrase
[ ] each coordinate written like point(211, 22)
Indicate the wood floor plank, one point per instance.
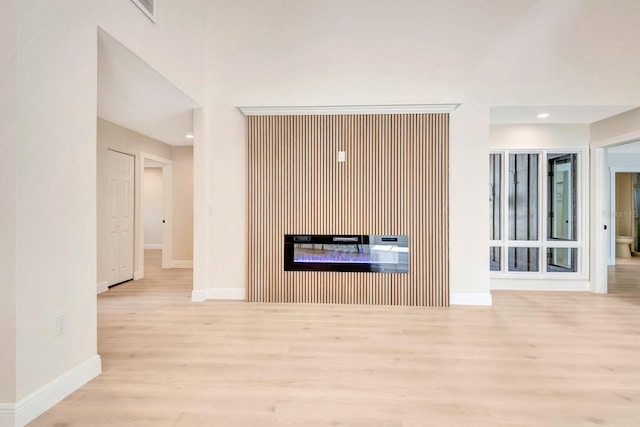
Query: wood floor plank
point(532, 359)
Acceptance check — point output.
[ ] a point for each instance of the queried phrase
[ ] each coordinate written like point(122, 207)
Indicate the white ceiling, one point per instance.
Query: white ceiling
point(557, 114)
point(134, 95)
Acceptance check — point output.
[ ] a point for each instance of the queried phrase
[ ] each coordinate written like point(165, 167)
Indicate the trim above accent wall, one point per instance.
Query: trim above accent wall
point(347, 109)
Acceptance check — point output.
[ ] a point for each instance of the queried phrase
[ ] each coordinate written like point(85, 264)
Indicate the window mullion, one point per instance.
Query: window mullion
point(544, 209)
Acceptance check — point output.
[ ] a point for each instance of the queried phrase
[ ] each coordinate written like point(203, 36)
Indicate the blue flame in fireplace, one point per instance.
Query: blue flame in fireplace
point(348, 254)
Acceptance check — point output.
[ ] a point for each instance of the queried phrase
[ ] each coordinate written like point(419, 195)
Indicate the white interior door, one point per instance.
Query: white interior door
point(120, 205)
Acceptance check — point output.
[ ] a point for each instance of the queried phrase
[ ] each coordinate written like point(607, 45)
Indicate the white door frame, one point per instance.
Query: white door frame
point(601, 209)
point(167, 212)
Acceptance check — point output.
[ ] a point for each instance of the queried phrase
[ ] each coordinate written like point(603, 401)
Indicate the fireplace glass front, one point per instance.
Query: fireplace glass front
point(357, 253)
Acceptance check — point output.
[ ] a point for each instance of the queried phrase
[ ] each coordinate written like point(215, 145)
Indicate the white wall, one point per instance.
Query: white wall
point(332, 54)
point(8, 139)
point(55, 247)
point(468, 208)
point(620, 124)
point(56, 163)
point(366, 52)
point(539, 136)
point(152, 200)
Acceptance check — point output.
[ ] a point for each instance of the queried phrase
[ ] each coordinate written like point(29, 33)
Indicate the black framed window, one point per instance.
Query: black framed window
point(562, 260)
point(495, 196)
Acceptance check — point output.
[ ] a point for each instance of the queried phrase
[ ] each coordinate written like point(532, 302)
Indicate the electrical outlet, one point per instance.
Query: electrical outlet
point(61, 324)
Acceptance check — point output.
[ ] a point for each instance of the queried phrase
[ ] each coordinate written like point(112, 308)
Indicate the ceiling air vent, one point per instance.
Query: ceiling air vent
point(148, 7)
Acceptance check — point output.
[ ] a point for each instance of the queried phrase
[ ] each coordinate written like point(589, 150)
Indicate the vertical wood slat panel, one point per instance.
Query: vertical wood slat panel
point(394, 181)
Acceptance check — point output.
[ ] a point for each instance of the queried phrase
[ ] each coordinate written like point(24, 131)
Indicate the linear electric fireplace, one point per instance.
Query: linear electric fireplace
point(346, 252)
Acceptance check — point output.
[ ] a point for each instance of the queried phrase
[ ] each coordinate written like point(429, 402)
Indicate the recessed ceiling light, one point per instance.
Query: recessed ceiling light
point(188, 136)
point(543, 115)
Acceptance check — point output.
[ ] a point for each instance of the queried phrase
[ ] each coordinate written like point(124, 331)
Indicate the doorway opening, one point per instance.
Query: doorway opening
point(616, 169)
point(155, 208)
point(624, 206)
point(142, 114)
point(623, 273)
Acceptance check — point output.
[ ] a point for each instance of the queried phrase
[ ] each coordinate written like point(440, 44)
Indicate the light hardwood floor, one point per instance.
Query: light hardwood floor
point(533, 359)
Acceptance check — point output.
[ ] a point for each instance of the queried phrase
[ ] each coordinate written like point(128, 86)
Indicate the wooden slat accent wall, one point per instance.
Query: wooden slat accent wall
point(394, 181)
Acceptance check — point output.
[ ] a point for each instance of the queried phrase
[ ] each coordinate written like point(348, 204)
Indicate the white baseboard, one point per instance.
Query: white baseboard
point(236, 294)
point(176, 263)
point(7, 415)
point(103, 287)
point(539, 285)
point(470, 299)
point(227, 293)
point(199, 295)
point(41, 400)
point(153, 245)
point(137, 275)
